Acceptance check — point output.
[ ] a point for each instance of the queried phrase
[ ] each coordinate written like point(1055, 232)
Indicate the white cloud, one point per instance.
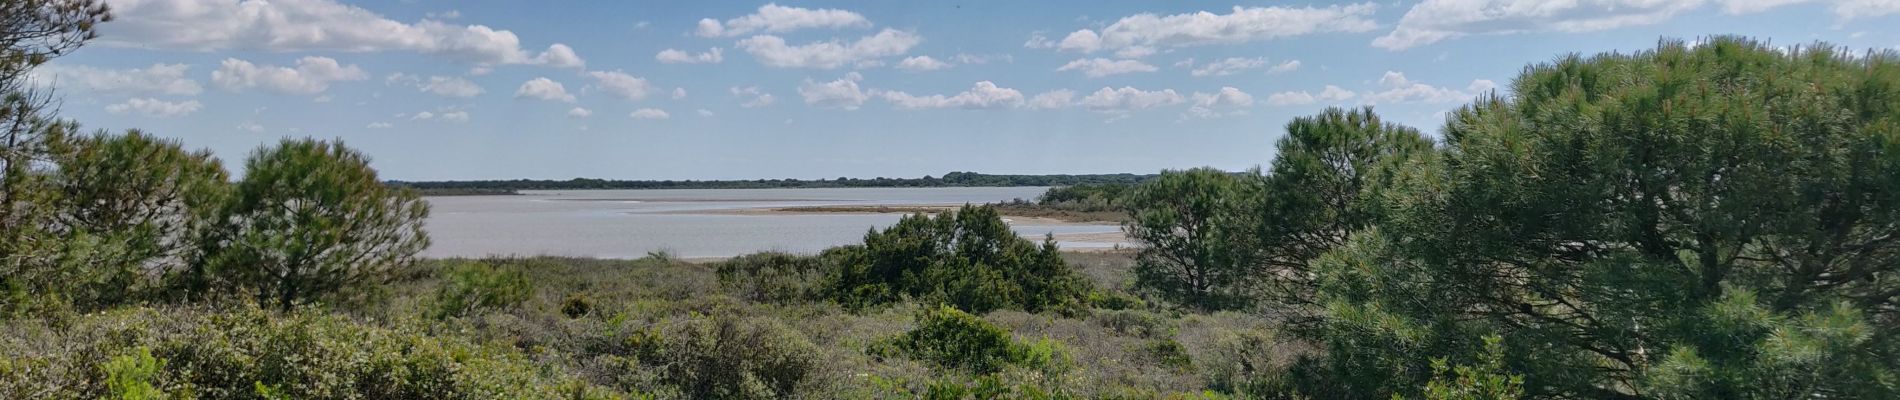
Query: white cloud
point(165, 79)
point(1290, 98)
point(775, 18)
point(449, 86)
point(753, 96)
point(378, 125)
point(966, 58)
point(1060, 98)
point(1111, 100)
point(1854, 9)
point(443, 114)
point(559, 55)
point(620, 84)
point(1331, 93)
point(1435, 20)
point(454, 116)
point(921, 63)
point(649, 113)
point(309, 25)
point(1289, 66)
point(842, 93)
point(578, 112)
point(450, 14)
point(544, 89)
point(1229, 66)
point(1242, 25)
point(1398, 89)
point(1227, 101)
point(155, 108)
point(311, 76)
point(679, 93)
point(1227, 97)
point(705, 112)
point(674, 56)
point(1135, 51)
point(772, 50)
point(1100, 67)
point(982, 95)
point(250, 126)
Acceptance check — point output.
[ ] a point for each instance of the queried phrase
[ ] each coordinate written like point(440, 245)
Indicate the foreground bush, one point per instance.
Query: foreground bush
point(969, 259)
point(955, 339)
point(733, 358)
point(776, 277)
point(478, 286)
point(238, 354)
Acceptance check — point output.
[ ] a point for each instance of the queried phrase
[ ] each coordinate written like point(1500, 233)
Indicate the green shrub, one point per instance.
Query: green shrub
point(577, 305)
point(476, 286)
point(230, 355)
point(970, 259)
point(774, 277)
point(131, 376)
point(952, 338)
point(733, 358)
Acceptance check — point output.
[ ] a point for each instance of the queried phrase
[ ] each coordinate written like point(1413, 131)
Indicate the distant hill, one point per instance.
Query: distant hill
point(953, 179)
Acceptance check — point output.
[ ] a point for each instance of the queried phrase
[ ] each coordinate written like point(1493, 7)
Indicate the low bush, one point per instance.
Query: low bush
point(733, 358)
point(952, 338)
point(476, 286)
point(774, 277)
point(183, 353)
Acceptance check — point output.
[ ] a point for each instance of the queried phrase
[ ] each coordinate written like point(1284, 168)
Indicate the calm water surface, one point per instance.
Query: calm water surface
point(689, 222)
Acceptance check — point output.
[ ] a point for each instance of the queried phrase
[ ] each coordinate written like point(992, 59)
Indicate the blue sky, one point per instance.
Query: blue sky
point(437, 89)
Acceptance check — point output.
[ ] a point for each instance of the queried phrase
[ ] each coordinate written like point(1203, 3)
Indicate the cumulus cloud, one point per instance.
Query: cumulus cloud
point(773, 18)
point(378, 125)
point(649, 113)
point(1059, 98)
point(673, 56)
point(679, 93)
point(1111, 100)
point(578, 112)
point(312, 75)
point(1399, 89)
point(1100, 67)
point(967, 58)
point(842, 93)
point(620, 84)
point(1227, 101)
point(921, 63)
point(449, 86)
point(773, 51)
point(155, 108)
point(705, 112)
point(1435, 20)
point(310, 25)
point(753, 97)
point(1243, 24)
point(1331, 94)
point(1289, 66)
point(165, 79)
point(544, 89)
point(1229, 66)
point(983, 95)
point(444, 115)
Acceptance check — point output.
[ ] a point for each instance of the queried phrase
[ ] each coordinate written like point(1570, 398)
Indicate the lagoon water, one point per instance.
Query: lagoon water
point(691, 222)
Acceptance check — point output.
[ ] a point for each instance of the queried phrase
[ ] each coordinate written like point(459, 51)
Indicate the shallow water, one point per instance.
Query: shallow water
point(690, 222)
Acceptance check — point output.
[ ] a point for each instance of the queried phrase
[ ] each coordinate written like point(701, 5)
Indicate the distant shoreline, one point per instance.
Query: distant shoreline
point(953, 179)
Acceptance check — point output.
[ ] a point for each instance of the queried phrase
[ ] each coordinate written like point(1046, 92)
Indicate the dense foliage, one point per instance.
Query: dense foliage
point(970, 259)
point(1711, 221)
point(1198, 231)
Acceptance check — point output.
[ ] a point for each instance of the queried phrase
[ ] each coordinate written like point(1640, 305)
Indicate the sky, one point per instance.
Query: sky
point(478, 89)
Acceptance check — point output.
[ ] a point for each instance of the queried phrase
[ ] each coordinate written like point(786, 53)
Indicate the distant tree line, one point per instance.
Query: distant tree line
point(953, 179)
